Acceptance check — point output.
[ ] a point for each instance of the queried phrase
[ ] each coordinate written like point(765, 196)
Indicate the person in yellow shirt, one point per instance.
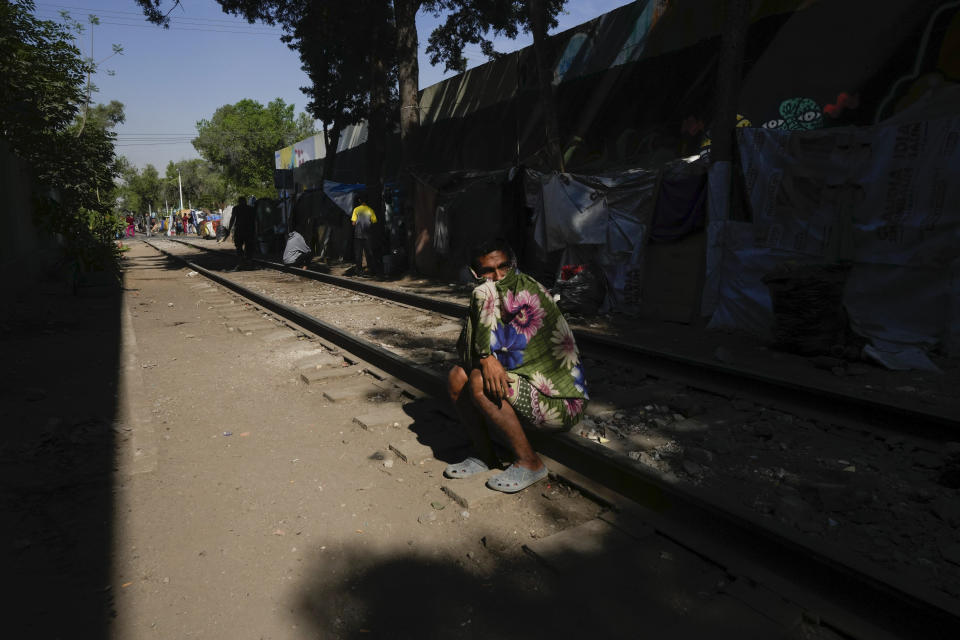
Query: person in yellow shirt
point(362, 219)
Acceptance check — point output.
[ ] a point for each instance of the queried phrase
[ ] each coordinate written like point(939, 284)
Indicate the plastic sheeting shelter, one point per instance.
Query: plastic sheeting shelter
point(457, 210)
point(326, 212)
point(609, 214)
point(343, 195)
point(883, 199)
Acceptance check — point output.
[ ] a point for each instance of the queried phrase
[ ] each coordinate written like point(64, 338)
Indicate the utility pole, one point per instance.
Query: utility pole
point(537, 13)
point(736, 20)
point(180, 184)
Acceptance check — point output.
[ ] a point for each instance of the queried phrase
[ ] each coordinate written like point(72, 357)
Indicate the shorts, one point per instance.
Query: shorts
point(542, 411)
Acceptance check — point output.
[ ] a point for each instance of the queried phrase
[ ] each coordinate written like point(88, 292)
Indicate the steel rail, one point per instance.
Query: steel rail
point(875, 596)
point(818, 401)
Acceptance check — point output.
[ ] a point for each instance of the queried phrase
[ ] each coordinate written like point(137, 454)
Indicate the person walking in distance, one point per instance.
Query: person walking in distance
point(363, 219)
point(242, 224)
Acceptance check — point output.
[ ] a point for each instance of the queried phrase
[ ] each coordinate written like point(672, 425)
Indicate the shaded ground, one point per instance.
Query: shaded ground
point(58, 385)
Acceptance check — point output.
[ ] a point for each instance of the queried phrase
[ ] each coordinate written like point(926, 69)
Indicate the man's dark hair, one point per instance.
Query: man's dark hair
point(489, 246)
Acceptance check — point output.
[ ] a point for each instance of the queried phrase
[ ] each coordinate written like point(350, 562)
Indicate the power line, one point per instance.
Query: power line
point(178, 25)
point(228, 21)
point(148, 144)
point(272, 34)
point(204, 29)
point(156, 135)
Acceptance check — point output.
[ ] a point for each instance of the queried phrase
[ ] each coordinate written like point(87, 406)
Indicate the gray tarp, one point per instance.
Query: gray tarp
point(611, 213)
point(342, 194)
point(884, 199)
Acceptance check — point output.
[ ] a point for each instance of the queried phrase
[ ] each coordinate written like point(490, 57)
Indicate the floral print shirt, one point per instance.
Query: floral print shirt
point(516, 321)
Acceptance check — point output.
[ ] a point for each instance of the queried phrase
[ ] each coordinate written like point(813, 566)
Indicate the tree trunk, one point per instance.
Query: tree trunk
point(408, 70)
point(331, 140)
point(541, 47)
point(729, 70)
point(376, 134)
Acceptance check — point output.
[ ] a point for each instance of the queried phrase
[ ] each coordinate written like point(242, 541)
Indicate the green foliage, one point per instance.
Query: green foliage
point(474, 21)
point(241, 138)
point(42, 72)
point(204, 185)
point(139, 191)
point(338, 69)
point(42, 92)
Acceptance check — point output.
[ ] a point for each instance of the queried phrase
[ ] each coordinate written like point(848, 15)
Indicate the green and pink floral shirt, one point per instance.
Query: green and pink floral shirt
point(517, 321)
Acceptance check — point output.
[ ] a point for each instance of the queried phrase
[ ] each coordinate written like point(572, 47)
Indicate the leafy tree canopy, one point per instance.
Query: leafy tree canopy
point(42, 92)
point(241, 139)
point(140, 191)
point(475, 21)
point(204, 185)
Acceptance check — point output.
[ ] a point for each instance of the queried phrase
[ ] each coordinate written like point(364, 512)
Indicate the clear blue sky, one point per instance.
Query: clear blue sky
point(168, 79)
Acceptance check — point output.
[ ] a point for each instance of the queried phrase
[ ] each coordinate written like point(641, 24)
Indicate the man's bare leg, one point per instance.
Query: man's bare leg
point(470, 417)
point(503, 418)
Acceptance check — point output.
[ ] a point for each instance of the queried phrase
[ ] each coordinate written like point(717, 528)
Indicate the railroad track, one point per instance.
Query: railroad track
point(805, 398)
point(853, 596)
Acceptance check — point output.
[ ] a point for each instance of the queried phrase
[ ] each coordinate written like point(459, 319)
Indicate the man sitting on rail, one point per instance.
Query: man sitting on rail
point(519, 363)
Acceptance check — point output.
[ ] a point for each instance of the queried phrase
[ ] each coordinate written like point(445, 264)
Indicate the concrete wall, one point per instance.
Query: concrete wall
point(25, 252)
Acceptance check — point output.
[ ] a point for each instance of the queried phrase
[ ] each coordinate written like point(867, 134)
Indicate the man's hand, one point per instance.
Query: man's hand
point(495, 382)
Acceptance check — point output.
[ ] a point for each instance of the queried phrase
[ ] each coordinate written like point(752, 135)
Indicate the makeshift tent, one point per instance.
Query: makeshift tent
point(459, 209)
point(343, 195)
point(271, 230)
point(316, 214)
point(610, 213)
point(883, 199)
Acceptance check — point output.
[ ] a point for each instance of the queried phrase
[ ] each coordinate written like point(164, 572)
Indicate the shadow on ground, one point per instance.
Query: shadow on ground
point(57, 389)
point(434, 427)
point(644, 588)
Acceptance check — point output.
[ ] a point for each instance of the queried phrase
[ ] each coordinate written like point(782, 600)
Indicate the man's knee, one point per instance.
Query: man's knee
point(475, 387)
point(456, 380)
